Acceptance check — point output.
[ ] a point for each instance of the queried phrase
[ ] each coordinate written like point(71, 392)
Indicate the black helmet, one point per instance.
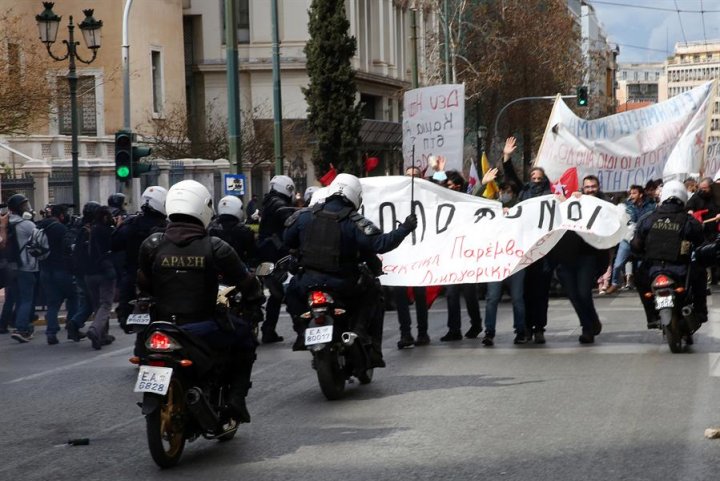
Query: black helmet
point(116, 201)
point(15, 201)
point(89, 210)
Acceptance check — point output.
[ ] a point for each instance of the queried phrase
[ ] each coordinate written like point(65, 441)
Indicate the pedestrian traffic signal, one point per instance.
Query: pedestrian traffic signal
point(582, 96)
point(137, 166)
point(123, 155)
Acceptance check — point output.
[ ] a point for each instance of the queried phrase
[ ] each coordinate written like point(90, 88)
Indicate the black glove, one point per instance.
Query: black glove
point(410, 222)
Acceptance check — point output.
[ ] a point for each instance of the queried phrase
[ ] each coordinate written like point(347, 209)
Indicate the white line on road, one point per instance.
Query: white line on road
point(118, 352)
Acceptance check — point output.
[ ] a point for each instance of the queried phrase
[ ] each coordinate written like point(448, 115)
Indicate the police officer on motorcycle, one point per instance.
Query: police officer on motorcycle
point(128, 237)
point(332, 239)
point(276, 208)
point(180, 268)
point(664, 241)
point(229, 226)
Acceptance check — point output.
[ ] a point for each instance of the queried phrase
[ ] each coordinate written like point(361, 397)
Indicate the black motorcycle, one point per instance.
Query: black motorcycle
point(185, 384)
point(340, 349)
point(673, 298)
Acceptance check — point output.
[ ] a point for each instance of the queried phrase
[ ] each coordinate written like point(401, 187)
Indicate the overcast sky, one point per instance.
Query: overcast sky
point(656, 29)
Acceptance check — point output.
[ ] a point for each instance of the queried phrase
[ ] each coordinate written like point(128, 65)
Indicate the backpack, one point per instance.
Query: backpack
point(81, 250)
point(38, 245)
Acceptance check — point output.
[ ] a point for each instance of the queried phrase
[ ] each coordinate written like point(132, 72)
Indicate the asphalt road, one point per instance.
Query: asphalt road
point(622, 409)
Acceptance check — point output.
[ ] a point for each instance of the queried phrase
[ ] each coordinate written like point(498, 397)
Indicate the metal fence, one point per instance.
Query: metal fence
point(24, 184)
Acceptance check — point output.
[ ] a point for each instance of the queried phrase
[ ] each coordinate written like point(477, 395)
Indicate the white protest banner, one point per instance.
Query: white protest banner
point(434, 124)
point(712, 160)
point(466, 239)
point(662, 140)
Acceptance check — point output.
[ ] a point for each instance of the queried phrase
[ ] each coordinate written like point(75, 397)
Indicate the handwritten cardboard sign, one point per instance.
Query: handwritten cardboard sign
point(434, 124)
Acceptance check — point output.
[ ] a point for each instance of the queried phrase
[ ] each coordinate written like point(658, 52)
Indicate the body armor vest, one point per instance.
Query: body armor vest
point(187, 277)
point(320, 247)
point(665, 241)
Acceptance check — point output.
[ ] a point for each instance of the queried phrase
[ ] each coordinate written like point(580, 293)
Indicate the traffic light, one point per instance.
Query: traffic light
point(137, 166)
point(123, 155)
point(582, 96)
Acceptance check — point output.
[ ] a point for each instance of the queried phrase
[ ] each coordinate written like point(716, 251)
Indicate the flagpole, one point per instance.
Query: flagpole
point(412, 183)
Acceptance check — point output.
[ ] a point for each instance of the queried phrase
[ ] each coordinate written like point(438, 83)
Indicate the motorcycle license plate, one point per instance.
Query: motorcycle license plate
point(153, 379)
point(318, 335)
point(664, 302)
point(138, 319)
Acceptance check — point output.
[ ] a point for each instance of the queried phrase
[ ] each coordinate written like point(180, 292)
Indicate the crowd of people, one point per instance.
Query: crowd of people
point(91, 261)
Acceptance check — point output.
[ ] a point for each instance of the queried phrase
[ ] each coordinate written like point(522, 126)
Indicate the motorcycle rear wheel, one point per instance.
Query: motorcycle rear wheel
point(330, 376)
point(673, 336)
point(166, 427)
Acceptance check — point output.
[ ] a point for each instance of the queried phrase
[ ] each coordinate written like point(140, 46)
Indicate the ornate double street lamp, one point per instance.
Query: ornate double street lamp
point(48, 25)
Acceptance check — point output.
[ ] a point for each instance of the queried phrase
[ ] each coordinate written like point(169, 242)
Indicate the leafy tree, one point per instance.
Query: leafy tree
point(26, 96)
point(334, 115)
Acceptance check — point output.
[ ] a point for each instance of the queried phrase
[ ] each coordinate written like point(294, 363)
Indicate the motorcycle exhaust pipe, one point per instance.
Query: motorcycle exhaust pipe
point(348, 338)
point(199, 407)
point(687, 311)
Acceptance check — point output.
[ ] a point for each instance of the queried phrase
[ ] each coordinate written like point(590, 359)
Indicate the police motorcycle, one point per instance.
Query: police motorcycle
point(185, 385)
point(673, 299)
point(340, 348)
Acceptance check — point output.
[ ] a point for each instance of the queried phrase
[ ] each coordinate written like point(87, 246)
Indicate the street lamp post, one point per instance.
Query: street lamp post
point(48, 26)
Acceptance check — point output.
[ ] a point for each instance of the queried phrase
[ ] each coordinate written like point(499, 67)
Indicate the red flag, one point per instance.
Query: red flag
point(431, 293)
point(698, 214)
point(371, 164)
point(568, 183)
point(327, 179)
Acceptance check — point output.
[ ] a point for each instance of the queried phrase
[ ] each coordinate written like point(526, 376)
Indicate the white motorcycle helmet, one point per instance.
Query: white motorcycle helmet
point(347, 186)
point(283, 184)
point(309, 193)
point(191, 198)
point(231, 205)
point(674, 189)
point(154, 197)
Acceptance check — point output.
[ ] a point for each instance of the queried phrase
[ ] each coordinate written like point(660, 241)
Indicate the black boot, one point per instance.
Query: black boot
point(242, 370)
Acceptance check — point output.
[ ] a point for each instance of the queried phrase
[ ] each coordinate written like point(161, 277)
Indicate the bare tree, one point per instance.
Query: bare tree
point(26, 95)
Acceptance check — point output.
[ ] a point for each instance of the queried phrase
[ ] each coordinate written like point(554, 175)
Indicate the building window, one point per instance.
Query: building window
point(647, 75)
point(624, 75)
point(86, 106)
point(242, 20)
point(157, 82)
point(657, 75)
point(13, 60)
point(635, 75)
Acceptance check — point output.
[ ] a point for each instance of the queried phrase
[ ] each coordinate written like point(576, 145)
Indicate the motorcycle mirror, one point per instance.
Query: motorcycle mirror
point(264, 269)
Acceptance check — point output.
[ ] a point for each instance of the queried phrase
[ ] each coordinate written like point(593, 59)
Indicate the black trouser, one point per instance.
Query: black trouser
point(402, 305)
point(469, 292)
point(536, 294)
point(126, 293)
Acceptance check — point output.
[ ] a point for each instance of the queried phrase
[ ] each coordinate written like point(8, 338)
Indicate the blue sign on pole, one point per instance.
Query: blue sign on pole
point(234, 184)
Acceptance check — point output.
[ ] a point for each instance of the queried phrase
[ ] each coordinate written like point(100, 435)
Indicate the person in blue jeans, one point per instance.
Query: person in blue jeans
point(23, 265)
point(515, 284)
point(637, 205)
point(55, 276)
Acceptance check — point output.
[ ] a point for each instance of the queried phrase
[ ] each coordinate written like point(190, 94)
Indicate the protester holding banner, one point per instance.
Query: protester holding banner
point(514, 283)
point(579, 264)
point(456, 182)
point(402, 304)
point(538, 274)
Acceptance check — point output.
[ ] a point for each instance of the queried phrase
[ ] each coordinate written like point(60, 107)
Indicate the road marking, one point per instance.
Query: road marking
point(118, 352)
